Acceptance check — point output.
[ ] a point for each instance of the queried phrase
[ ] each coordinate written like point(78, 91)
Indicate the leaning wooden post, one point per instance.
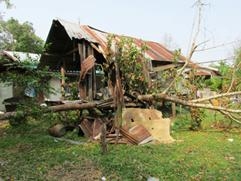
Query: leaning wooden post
point(118, 101)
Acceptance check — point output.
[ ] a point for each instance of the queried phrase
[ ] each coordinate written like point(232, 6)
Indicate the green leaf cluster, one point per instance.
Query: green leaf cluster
point(16, 36)
point(130, 60)
point(230, 75)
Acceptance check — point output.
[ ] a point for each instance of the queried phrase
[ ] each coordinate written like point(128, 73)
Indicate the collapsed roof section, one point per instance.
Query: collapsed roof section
point(10, 58)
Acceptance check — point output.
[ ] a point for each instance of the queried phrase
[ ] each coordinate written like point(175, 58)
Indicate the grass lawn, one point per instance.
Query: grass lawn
point(29, 153)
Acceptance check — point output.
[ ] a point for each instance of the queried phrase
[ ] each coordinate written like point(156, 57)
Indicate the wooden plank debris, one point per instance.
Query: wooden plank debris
point(86, 127)
point(136, 135)
point(91, 128)
point(96, 127)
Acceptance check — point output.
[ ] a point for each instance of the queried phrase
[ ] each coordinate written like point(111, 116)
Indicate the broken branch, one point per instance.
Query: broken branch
point(185, 103)
point(216, 96)
point(230, 116)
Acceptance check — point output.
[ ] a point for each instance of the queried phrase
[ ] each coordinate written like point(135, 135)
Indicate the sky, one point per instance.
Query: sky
point(169, 22)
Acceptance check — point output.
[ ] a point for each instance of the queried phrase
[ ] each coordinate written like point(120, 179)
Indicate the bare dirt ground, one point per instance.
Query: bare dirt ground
point(84, 170)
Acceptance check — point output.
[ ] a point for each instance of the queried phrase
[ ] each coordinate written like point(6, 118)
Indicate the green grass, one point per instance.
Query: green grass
point(29, 153)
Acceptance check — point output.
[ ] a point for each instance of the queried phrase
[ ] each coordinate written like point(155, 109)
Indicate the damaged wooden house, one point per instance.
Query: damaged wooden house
point(78, 52)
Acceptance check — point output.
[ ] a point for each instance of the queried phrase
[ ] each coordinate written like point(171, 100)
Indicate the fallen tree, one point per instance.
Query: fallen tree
point(149, 97)
point(124, 61)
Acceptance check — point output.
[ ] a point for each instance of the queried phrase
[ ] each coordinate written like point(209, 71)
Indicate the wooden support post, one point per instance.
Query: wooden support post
point(180, 108)
point(94, 79)
point(146, 72)
point(62, 71)
point(173, 109)
point(82, 83)
point(74, 53)
point(103, 139)
point(90, 76)
point(94, 83)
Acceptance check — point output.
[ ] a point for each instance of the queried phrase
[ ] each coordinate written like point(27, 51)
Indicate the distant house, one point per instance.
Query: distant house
point(74, 50)
point(8, 60)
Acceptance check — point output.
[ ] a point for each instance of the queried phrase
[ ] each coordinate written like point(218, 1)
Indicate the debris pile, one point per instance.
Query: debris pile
point(139, 126)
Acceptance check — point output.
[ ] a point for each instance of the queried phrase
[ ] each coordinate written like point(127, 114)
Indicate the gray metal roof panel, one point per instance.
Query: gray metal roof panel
point(75, 31)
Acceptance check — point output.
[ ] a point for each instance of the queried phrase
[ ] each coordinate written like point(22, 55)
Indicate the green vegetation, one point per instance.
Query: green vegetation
point(16, 36)
point(124, 54)
point(27, 152)
point(229, 79)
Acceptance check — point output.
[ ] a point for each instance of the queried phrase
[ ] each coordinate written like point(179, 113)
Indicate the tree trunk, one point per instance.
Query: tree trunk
point(58, 108)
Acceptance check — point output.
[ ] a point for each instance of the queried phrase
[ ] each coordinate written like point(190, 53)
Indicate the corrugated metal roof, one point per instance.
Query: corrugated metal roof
point(75, 31)
point(202, 70)
point(20, 56)
point(13, 58)
point(155, 51)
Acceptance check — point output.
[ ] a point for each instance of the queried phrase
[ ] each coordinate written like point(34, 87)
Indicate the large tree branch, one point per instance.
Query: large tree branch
point(180, 71)
point(185, 103)
point(233, 76)
point(216, 96)
point(77, 106)
point(230, 116)
point(58, 108)
point(193, 44)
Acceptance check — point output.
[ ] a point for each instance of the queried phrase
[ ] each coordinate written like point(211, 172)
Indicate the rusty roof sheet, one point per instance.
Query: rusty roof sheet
point(155, 51)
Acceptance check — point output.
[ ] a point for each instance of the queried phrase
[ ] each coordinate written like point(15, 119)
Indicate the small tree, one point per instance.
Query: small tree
point(126, 71)
point(16, 36)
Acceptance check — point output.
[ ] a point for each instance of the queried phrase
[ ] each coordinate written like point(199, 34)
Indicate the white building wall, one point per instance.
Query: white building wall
point(5, 92)
point(56, 84)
